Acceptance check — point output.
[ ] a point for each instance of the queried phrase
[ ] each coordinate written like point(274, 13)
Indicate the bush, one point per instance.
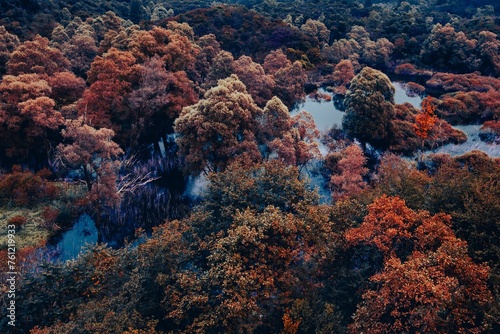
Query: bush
point(25, 188)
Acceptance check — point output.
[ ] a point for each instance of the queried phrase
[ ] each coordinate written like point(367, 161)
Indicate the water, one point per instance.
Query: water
point(401, 96)
point(74, 241)
point(325, 114)
point(473, 143)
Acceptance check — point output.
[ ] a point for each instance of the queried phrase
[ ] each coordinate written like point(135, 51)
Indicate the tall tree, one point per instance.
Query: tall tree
point(369, 106)
point(219, 128)
point(94, 154)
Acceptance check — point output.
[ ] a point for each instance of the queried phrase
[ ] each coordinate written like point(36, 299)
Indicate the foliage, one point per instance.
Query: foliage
point(424, 122)
point(428, 281)
point(219, 127)
point(369, 107)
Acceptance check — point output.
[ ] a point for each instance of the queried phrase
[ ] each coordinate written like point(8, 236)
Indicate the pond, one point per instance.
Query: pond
point(326, 114)
point(473, 143)
point(72, 242)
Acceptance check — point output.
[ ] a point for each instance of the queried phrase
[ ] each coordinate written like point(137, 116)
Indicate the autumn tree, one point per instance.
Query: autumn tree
point(397, 177)
point(428, 282)
point(28, 119)
point(424, 122)
point(94, 154)
point(264, 264)
point(158, 101)
point(36, 56)
point(259, 84)
point(290, 81)
point(274, 121)
point(262, 245)
point(219, 128)
point(111, 77)
point(316, 30)
point(299, 145)
point(342, 76)
point(221, 68)
point(275, 61)
point(210, 48)
point(352, 169)
point(369, 107)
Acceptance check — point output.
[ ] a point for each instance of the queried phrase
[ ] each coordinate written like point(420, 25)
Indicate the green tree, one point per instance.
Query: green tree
point(369, 106)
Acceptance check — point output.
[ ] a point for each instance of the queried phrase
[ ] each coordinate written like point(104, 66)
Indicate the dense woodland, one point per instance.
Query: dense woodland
point(115, 108)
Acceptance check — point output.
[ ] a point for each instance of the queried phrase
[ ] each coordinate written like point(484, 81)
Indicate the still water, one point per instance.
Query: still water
point(326, 115)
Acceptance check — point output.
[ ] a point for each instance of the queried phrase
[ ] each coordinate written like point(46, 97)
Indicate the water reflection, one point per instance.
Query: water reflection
point(326, 114)
point(72, 242)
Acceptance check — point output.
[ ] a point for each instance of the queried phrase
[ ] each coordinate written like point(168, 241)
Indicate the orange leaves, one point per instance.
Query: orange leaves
point(431, 286)
point(424, 122)
point(290, 326)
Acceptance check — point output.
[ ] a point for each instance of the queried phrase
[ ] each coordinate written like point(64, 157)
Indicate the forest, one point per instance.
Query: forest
point(214, 203)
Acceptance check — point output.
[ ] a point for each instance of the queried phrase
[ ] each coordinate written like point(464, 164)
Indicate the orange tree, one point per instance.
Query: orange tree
point(428, 282)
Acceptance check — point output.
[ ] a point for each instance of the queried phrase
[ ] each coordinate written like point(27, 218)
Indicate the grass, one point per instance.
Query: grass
point(37, 230)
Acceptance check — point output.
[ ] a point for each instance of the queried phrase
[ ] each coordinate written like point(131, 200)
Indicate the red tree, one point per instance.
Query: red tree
point(428, 283)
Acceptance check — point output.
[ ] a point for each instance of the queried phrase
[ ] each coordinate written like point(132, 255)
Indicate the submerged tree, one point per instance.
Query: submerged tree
point(369, 106)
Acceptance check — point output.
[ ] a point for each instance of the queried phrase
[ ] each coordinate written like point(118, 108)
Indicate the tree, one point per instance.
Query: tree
point(38, 57)
point(260, 248)
point(111, 77)
point(342, 76)
point(489, 50)
point(8, 43)
point(446, 48)
point(290, 81)
point(428, 282)
point(219, 128)
point(221, 68)
point(317, 30)
point(349, 182)
point(260, 85)
point(299, 144)
point(158, 101)
point(81, 50)
point(274, 61)
point(94, 154)
point(424, 122)
point(369, 106)
point(28, 119)
point(275, 120)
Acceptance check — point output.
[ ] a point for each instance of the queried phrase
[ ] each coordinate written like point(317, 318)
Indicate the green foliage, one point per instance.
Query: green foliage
point(369, 107)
